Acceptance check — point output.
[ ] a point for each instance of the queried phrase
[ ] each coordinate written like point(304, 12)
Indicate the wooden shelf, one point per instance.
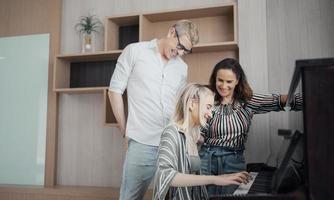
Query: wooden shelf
point(82, 90)
point(76, 73)
point(84, 67)
point(103, 55)
point(201, 12)
point(217, 46)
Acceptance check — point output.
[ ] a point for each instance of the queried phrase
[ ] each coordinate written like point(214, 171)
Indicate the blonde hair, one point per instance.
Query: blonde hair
point(192, 92)
point(188, 28)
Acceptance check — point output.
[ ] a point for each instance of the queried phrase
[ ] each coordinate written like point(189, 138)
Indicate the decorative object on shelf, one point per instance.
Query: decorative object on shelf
point(87, 26)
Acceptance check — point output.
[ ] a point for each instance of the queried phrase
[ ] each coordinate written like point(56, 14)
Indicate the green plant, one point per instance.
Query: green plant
point(89, 24)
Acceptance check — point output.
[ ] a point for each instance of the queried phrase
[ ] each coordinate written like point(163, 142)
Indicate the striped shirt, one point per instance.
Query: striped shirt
point(230, 123)
point(173, 158)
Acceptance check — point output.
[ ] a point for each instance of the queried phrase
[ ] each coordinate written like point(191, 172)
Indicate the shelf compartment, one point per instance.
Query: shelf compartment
point(215, 24)
point(84, 72)
point(121, 31)
point(109, 117)
point(200, 65)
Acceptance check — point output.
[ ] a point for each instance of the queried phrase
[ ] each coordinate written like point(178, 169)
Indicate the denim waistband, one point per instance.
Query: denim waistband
point(222, 148)
point(219, 152)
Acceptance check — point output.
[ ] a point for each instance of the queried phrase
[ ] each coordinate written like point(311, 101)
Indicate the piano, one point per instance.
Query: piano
point(289, 176)
point(306, 172)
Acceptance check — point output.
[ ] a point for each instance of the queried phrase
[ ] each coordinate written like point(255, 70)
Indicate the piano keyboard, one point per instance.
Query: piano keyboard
point(261, 183)
point(244, 188)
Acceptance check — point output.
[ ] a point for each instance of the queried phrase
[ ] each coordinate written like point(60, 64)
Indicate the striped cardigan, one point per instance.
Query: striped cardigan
point(173, 158)
point(230, 124)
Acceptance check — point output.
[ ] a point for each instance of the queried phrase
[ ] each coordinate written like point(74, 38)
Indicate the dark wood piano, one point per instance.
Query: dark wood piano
point(317, 79)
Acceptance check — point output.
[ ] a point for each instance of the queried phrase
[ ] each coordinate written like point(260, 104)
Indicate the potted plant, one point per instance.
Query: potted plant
point(87, 26)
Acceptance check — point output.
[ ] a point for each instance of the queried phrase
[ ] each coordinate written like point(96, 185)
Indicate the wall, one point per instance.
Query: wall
point(253, 58)
point(296, 29)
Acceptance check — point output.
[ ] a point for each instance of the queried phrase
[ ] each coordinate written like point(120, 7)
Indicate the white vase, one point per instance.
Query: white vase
point(88, 43)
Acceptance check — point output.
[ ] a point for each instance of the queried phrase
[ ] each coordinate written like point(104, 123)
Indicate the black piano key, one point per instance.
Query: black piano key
point(262, 183)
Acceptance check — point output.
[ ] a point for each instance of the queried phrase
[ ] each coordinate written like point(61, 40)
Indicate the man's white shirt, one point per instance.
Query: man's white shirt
point(152, 89)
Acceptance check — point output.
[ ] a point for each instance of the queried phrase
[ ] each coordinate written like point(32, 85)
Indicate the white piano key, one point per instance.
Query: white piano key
point(244, 188)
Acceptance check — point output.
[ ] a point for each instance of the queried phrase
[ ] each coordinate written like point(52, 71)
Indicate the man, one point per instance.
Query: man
point(152, 72)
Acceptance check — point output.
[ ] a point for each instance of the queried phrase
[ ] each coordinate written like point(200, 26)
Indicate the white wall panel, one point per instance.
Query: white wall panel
point(253, 58)
point(297, 29)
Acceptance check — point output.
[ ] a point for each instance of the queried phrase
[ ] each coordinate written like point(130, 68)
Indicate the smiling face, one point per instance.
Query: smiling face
point(226, 81)
point(207, 108)
point(176, 45)
point(203, 112)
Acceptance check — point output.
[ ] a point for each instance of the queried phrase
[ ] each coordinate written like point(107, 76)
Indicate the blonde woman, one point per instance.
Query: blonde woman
point(178, 165)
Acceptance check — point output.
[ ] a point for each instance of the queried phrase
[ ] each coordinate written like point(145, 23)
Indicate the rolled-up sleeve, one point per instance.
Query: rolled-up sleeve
point(123, 70)
point(263, 103)
point(297, 103)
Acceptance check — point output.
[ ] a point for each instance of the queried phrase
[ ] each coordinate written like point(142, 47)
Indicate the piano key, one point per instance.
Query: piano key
point(244, 188)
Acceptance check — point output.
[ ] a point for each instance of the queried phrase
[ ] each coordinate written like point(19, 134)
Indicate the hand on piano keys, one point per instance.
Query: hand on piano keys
point(244, 188)
point(232, 179)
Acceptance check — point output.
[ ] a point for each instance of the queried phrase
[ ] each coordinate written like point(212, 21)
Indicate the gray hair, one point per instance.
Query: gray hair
point(187, 27)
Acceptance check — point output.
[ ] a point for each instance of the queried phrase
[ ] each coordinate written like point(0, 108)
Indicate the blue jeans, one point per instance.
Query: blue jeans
point(218, 160)
point(138, 170)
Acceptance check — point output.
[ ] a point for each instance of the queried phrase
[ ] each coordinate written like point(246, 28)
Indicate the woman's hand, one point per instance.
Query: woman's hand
point(232, 179)
point(200, 140)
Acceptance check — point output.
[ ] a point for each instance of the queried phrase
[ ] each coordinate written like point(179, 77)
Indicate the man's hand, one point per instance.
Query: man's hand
point(122, 130)
point(126, 139)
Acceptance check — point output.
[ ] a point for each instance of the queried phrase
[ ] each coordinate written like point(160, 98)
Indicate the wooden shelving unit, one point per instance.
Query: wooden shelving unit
point(218, 39)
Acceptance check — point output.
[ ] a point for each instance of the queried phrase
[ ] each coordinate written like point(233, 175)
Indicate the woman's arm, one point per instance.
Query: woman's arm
point(263, 103)
point(283, 98)
point(260, 103)
point(185, 180)
point(167, 162)
point(297, 102)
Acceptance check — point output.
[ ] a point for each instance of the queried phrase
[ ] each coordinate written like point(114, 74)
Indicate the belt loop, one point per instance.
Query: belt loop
point(220, 165)
point(209, 160)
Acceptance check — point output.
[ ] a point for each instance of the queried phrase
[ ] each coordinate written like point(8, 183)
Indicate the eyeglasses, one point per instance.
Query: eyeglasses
point(180, 46)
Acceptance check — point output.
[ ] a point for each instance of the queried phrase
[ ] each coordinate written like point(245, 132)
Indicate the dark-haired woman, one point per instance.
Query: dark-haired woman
point(235, 105)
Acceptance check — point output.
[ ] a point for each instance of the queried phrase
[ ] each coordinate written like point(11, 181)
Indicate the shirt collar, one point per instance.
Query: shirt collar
point(153, 44)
